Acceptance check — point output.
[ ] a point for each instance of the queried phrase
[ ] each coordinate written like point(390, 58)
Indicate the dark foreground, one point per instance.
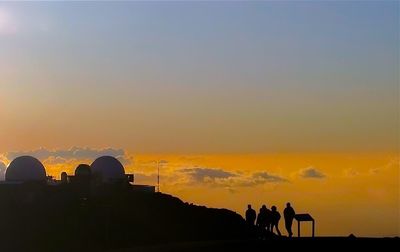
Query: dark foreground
point(284, 244)
point(79, 217)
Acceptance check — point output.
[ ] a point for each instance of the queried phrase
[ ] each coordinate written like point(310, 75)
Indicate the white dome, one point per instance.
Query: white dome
point(108, 168)
point(25, 168)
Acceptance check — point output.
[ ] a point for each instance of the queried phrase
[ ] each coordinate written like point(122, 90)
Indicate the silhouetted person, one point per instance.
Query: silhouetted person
point(250, 215)
point(289, 214)
point(268, 219)
point(262, 221)
point(275, 220)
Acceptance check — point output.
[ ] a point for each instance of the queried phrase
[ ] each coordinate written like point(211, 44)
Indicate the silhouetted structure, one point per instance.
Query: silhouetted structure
point(108, 170)
point(64, 178)
point(276, 216)
point(98, 208)
point(289, 214)
point(25, 169)
point(304, 217)
point(250, 215)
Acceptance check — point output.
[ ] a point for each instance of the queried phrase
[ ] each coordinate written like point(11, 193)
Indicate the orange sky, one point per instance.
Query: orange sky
point(345, 192)
point(311, 86)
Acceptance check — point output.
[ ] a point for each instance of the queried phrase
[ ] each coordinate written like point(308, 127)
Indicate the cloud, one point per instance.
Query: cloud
point(350, 172)
point(266, 177)
point(206, 174)
point(311, 172)
point(77, 153)
point(259, 178)
point(2, 171)
point(393, 163)
point(55, 160)
point(216, 177)
point(142, 178)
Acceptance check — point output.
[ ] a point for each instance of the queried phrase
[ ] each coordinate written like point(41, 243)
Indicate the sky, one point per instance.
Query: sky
point(245, 102)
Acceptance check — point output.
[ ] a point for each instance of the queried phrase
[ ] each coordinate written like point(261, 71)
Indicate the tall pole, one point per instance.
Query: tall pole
point(158, 176)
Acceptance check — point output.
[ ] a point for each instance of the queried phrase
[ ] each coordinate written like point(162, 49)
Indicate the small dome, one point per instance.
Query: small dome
point(25, 168)
point(108, 168)
point(83, 170)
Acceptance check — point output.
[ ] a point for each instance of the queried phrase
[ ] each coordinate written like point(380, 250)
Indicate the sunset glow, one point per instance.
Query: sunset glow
point(244, 102)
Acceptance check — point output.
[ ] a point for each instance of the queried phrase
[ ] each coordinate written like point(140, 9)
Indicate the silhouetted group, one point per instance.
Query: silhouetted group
point(267, 220)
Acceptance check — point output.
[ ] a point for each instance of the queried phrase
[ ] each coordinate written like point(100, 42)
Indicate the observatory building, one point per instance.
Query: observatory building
point(108, 169)
point(83, 170)
point(25, 169)
point(105, 171)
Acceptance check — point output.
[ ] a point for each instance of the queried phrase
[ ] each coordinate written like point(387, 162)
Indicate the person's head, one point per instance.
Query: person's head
point(288, 204)
point(264, 206)
point(273, 208)
point(249, 206)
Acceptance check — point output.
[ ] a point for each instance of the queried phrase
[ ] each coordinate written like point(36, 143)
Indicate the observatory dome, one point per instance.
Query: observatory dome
point(83, 170)
point(108, 168)
point(25, 168)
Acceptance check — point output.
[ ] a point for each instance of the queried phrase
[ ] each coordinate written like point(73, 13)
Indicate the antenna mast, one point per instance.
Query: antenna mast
point(158, 176)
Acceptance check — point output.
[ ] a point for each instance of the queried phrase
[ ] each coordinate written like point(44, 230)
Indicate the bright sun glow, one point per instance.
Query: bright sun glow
point(7, 24)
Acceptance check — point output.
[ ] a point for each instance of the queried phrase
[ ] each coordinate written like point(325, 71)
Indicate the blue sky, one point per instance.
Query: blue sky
point(266, 67)
point(237, 97)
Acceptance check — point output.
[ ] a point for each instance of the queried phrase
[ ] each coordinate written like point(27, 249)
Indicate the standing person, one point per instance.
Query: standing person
point(276, 216)
point(262, 221)
point(250, 215)
point(289, 214)
point(268, 219)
